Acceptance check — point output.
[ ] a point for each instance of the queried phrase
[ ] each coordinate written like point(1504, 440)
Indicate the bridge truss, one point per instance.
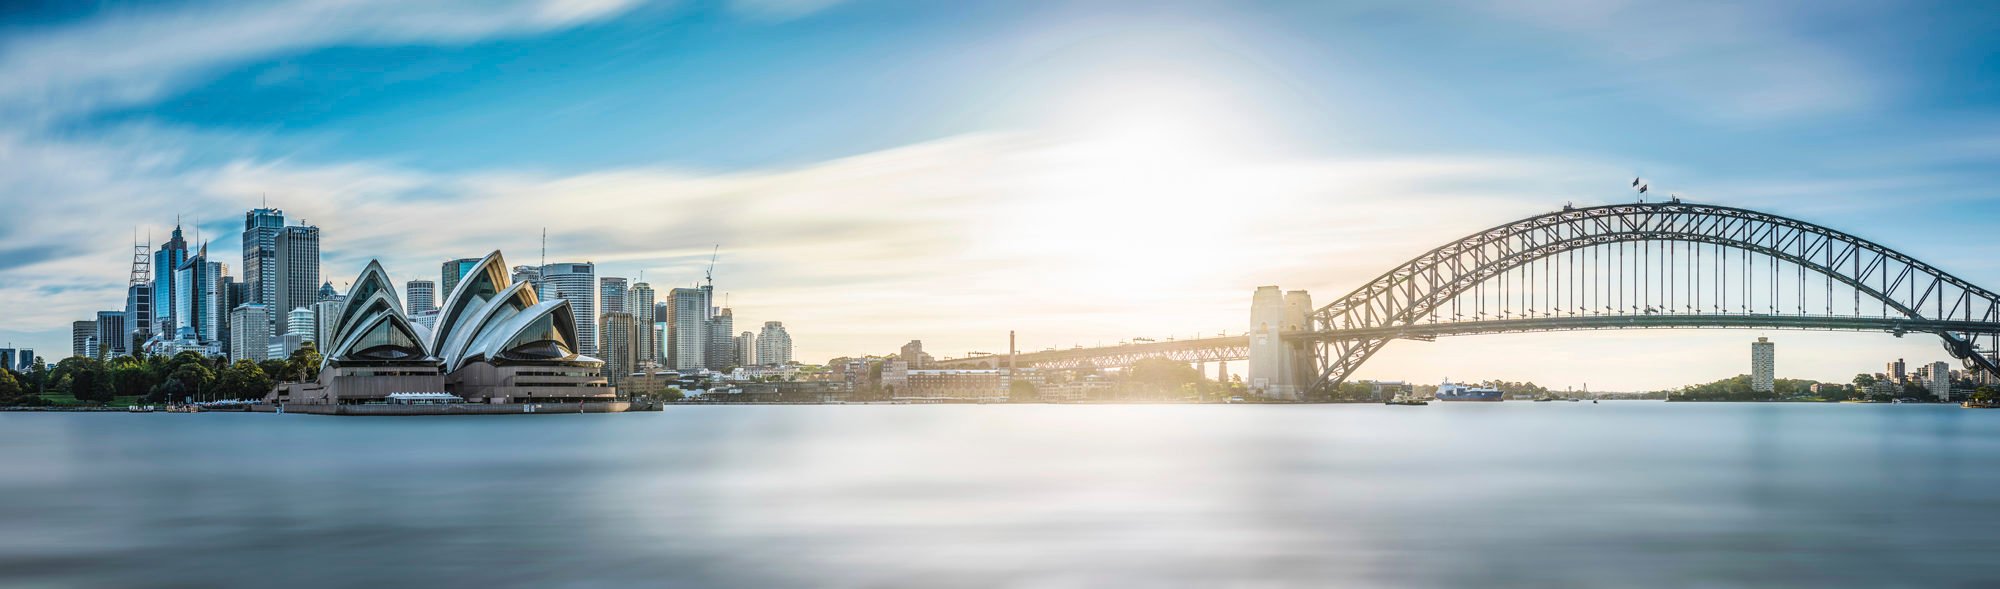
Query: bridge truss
point(1190, 351)
point(1654, 265)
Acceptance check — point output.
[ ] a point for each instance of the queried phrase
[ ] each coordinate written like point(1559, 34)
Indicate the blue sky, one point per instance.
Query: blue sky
point(879, 171)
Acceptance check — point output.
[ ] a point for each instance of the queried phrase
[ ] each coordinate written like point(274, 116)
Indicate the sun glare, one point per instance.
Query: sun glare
point(1148, 178)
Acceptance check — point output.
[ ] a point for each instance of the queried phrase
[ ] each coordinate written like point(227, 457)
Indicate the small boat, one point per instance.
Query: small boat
point(1406, 400)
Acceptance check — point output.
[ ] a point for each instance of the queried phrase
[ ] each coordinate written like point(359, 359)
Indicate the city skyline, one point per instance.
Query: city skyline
point(1073, 221)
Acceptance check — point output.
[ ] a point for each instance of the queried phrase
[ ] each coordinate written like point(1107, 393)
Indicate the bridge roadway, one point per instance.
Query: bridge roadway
point(1230, 348)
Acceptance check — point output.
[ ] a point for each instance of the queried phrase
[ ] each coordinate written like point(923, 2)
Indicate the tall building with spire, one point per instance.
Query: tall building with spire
point(139, 296)
point(166, 262)
point(201, 296)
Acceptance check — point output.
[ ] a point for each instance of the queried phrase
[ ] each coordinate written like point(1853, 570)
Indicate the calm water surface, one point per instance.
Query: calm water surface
point(1620, 494)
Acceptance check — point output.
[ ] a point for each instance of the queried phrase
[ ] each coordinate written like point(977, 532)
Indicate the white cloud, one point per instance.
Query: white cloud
point(130, 57)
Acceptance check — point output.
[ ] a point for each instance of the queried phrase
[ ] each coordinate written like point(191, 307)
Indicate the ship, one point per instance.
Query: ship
point(1459, 392)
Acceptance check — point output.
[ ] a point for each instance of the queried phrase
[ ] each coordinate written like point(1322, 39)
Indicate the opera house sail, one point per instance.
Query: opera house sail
point(495, 344)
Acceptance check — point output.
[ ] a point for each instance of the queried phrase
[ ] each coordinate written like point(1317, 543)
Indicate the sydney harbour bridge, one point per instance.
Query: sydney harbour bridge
point(1623, 266)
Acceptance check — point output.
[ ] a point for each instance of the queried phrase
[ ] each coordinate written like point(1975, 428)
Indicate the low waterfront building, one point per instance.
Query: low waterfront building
point(965, 385)
point(1090, 387)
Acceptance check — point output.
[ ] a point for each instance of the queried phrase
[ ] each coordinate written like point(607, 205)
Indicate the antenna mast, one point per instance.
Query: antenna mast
point(542, 270)
point(142, 264)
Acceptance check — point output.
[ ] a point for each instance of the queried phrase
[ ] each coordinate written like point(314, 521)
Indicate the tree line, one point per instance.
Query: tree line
point(182, 377)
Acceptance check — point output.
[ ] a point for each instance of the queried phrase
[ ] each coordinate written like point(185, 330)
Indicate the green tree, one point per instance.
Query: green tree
point(38, 376)
point(1021, 391)
point(1163, 376)
point(11, 392)
point(193, 379)
point(1864, 380)
point(87, 379)
point(131, 378)
point(303, 364)
point(276, 368)
point(168, 391)
point(242, 380)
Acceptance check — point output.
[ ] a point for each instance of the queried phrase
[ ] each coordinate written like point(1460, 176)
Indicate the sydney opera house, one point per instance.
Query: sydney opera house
point(496, 348)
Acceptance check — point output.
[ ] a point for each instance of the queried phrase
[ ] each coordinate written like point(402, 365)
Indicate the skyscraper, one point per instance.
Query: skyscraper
point(687, 328)
point(663, 328)
point(326, 313)
point(138, 314)
point(1763, 366)
point(248, 337)
point(80, 334)
point(640, 299)
point(1940, 381)
point(620, 345)
point(112, 336)
point(611, 291)
point(578, 283)
point(260, 255)
point(297, 274)
point(200, 293)
point(453, 270)
point(166, 261)
point(300, 321)
point(746, 349)
point(420, 296)
point(774, 345)
point(721, 353)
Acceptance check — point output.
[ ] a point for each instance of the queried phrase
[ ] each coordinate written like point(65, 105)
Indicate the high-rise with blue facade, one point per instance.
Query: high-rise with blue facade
point(166, 262)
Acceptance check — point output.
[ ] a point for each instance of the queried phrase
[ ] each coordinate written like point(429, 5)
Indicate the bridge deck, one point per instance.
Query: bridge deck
point(1230, 348)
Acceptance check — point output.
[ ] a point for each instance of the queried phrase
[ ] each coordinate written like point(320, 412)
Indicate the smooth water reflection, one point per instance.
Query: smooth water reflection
point(1460, 495)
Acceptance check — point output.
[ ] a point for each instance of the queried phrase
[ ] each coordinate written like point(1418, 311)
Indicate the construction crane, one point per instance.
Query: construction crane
point(710, 276)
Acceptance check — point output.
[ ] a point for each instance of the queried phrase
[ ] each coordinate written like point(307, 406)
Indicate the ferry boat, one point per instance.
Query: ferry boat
point(1459, 392)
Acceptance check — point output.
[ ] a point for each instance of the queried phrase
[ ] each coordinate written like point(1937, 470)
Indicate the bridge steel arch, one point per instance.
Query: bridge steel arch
point(1351, 329)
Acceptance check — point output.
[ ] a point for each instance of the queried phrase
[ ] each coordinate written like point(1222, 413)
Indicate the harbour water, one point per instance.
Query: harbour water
point(1618, 494)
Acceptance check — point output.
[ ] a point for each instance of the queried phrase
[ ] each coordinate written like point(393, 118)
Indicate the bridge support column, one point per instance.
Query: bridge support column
point(1279, 370)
